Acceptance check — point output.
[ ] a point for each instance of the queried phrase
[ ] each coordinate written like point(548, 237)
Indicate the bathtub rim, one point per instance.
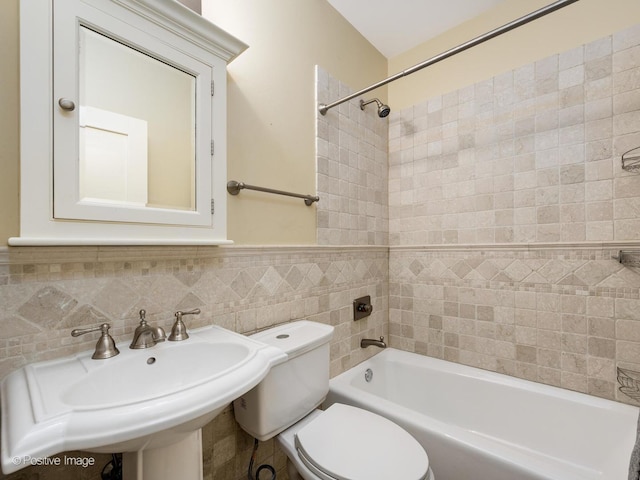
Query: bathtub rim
point(340, 386)
point(491, 376)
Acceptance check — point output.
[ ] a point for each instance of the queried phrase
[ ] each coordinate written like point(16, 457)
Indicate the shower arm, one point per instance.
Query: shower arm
point(323, 108)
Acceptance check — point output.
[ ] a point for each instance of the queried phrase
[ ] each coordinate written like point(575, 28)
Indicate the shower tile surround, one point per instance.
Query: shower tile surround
point(529, 156)
point(564, 317)
point(352, 169)
point(491, 247)
point(514, 189)
point(507, 202)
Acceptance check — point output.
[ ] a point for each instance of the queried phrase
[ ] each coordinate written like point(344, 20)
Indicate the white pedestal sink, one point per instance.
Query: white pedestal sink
point(181, 460)
point(149, 403)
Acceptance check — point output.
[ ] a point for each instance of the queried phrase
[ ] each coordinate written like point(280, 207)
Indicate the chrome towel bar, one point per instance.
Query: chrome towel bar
point(234, 188)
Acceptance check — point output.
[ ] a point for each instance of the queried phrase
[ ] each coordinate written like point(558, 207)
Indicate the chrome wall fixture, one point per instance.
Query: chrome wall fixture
point(362, 307)
point(383, 110)
point(234, 188)
point(629, 258)
point(324, 108)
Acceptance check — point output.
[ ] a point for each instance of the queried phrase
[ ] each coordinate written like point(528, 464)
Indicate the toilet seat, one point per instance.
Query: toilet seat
point(349, 443)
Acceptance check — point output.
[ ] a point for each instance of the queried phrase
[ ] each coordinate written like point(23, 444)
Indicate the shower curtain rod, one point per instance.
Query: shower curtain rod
point(323, 108)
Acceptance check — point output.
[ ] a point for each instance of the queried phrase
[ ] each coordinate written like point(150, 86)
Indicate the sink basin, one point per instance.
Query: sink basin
point(139, 399)
point(141, 377)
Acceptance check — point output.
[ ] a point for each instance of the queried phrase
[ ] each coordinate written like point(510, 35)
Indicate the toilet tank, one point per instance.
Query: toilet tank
point(292, 389)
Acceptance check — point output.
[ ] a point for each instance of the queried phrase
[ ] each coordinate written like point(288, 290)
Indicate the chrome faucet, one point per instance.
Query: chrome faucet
point(106, 347)
point(145, 335)
point(179, 330)
point(366, 342)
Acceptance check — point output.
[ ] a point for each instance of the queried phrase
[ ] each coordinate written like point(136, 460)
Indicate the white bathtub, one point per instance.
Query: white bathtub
point(479, 425)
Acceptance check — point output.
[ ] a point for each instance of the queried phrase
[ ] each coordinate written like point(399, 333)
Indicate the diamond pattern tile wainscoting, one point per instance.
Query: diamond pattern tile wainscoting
point(564, 317)
point(46, 292)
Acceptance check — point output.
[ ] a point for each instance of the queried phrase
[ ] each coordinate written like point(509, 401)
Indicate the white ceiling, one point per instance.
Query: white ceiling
point(395, 26)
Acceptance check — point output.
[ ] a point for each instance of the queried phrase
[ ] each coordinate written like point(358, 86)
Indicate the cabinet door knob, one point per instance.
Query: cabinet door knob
point(67, 104)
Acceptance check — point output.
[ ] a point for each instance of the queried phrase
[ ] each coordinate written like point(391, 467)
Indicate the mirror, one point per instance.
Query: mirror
point(132, 121)
point(119, 119)
point(137, 127)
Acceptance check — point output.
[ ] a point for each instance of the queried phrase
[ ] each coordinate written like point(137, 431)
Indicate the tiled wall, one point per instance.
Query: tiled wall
point(352, 169)
point(46, 292)
point(562, 316)
point(532, 155)
point(507, 204)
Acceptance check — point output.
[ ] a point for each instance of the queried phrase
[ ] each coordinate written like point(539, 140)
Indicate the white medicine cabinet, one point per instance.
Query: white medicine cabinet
point(123, 124)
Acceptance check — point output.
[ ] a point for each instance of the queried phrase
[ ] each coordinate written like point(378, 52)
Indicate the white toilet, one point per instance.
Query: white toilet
point(339, 443)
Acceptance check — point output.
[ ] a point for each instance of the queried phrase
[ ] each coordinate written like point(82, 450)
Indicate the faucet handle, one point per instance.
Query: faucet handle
point(179, 329)
point(143, 320)
point(106, 347)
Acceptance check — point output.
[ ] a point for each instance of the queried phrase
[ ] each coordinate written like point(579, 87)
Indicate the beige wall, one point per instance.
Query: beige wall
point(272, 109)
point(271, 91)
point(9, 121)
point(562, 30)
point(195, 5)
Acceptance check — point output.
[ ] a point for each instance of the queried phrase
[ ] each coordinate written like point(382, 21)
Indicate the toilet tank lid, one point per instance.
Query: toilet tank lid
point(296, 338)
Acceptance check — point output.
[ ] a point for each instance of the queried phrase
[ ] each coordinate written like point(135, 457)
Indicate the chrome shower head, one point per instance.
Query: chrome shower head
point(383, 110)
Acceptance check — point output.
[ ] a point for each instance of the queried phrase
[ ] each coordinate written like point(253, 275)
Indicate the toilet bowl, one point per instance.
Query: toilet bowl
point(340, 443)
